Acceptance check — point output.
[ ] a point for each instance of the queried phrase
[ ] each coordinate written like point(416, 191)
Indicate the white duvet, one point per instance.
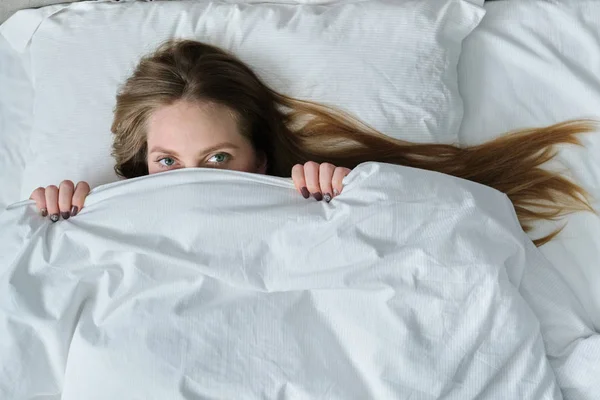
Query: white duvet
point(207, 284)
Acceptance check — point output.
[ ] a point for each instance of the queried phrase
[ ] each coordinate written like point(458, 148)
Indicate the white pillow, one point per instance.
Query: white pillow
point(536, 63)
point(391, 63)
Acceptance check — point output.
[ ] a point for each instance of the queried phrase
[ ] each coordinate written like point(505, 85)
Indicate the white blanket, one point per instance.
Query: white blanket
point(225, 285)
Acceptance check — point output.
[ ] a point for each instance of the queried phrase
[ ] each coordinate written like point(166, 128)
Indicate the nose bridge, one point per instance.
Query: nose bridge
point(192, 163)
point(196, 164)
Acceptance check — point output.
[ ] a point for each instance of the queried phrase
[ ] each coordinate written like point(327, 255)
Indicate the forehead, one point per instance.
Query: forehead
point(185, 121)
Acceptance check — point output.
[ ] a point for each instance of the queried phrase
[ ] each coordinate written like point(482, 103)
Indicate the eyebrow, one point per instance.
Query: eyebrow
point(218, 146)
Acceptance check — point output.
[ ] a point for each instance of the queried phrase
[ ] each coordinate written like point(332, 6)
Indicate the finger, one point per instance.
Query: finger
point(325, 178)
point(81, 191)
point(299, 181)
point(338, 176)
point(65, 195)
point(311, 174)
point(52, 202)
point(39, 196)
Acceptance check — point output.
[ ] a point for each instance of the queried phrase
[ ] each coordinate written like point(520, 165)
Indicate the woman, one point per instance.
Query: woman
point(194, 105)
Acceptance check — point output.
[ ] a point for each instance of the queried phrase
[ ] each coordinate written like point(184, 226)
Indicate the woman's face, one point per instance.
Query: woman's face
point(193, 135)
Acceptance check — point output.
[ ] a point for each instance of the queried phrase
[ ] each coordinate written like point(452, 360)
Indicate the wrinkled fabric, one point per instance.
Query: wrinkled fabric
point(214, 284)
point(532, 64)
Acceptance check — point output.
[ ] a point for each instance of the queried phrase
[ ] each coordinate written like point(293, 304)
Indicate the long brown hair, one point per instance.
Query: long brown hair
point(291, 131)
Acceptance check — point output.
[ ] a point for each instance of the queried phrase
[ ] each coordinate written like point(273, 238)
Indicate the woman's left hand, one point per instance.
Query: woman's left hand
point(323, 181)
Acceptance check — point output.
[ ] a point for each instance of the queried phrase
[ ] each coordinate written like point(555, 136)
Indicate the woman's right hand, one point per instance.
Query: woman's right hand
point(65, 200)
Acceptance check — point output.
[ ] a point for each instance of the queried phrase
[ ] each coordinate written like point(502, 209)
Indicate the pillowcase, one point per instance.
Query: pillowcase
point(391, 63)
point(533, 64)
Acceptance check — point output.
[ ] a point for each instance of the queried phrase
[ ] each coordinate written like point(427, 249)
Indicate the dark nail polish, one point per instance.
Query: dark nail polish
point(74, 211)
point(44, 212)
point(305, 193)
point(54, 217)
point(318, 196)
point(65, 214)
point(327, 197)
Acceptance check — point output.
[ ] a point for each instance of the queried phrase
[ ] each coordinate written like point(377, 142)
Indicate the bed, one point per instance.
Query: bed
point(457, 303)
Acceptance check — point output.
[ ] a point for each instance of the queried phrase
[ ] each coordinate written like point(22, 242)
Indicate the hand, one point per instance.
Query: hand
point(65, 199)
point(324, 181)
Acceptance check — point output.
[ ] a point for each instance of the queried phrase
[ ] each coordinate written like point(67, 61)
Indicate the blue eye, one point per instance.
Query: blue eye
point(219, 158)
point(168, 161)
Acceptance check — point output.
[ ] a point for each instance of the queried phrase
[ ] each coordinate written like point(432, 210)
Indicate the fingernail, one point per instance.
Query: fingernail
point(327, 197)
point(65, 214)
point(305, 193)
point(44, 212)
point(318, 196)
point(335, 192)
point(54, 217)
point(74, 211)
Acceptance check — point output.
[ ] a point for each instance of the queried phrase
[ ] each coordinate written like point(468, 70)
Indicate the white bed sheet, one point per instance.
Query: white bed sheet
point(16, 109)
point(535, 63)
point(403, 287)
